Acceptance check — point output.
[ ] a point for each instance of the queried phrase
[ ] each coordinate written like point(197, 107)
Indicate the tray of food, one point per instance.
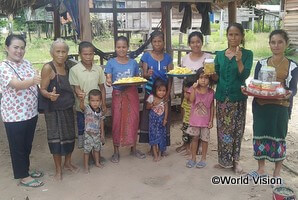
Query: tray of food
point(130, 81)
point(180, 72)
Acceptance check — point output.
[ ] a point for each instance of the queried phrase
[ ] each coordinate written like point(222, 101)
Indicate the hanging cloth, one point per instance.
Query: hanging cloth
point(205, 9)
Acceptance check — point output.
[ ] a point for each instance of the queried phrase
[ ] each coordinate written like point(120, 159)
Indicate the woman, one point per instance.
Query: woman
point(125, 100)
point(18, 82)
point(232, 67)
point(59, 115)
point(155, 64)
point(270, 117)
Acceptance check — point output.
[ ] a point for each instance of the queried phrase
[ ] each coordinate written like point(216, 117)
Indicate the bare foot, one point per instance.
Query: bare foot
point(86, 171)
point(71, 168)
point(180, 149)
point(99, 165)
point(238, 169)
point(164, 154)
point(58, 177)
point(156, 159)
point(218, 166)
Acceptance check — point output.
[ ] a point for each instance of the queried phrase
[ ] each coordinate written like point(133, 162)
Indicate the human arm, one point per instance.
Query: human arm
point(109, 80)
point(244, 64)
point(210, 125)
point(165, 120)
point(46, 75)
point(103, 94)
point(192, 95)
point(102, 130)
point(170, 82)
point(147, 73)
point(82, 105)
point(215, 76)
point(149, 101)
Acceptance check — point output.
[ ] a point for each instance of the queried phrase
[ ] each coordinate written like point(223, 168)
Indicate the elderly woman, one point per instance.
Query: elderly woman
point(270, 117)
point(18, 82)
point(59, 114)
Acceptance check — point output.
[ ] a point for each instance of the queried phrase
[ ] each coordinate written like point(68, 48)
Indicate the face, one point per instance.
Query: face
point(87, 56)
point(234, 36)
point(121, 48)
point(161, 92)
point(157, 43)
point(59, 53)
point(16, 50)
point(95, 102)
point(277, 44)
point(195, 44)
point(203, 80)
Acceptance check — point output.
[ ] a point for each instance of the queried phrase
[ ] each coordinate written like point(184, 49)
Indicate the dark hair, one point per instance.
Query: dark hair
point(195, 34)
point(122, 38)
point(12, 37)
point(200, 72)
point(85, 44)
point(280, 32)
point(157, 84)
point(188, 83)
point(155, 34)
point(94, 92)
point(240, 28)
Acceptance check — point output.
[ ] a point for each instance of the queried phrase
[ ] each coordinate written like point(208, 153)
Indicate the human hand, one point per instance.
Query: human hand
point(36, 78)
point(287, 95)
point(81, 95)
point(109, 82)
point(210, 124)
point(243, 90)
point(238, 54)
point(102, 138)
point(196, 84)
point(150, 71)
point(104, 109)
point(53, 95)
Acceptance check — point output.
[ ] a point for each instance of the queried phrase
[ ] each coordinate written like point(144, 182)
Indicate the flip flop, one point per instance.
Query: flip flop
point(201, 164)
point(138, 154)
point(36, 174)
point(34, 183)
point(254, 175)
point(115, 158)
point(190, 164)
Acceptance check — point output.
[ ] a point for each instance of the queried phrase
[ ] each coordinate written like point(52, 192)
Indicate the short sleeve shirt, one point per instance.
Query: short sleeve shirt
point(118, 70)
point(194, 64)
point(201, 109)
point(92, 120)
point(17, 105)
point(186, 106)
point(86, 79)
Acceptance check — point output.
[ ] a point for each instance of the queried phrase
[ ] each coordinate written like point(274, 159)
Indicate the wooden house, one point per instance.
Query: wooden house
point(290, 22)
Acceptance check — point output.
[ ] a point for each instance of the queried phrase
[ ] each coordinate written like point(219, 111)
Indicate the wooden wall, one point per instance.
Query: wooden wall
point(291, 21)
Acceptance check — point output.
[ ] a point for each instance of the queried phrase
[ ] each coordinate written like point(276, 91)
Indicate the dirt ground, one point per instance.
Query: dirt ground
point(143, 179)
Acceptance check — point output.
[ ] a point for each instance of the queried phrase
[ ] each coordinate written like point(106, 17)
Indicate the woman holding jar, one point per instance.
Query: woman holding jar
point(271, 116)
point(18, 82)
point(232, 66)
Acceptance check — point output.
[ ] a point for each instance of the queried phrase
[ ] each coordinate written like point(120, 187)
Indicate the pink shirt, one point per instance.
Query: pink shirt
point(201, 109)
point(17, 105)
point(194, 64)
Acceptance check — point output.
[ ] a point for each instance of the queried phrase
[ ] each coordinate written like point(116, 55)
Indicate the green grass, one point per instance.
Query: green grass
point(38, 53)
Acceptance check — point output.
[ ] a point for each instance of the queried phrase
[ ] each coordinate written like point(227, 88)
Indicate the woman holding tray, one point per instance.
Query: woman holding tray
point(270, 116)
point(125, 100)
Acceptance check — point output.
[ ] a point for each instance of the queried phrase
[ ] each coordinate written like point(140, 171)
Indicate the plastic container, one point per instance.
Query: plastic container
point(209, 67)
point(267, 74)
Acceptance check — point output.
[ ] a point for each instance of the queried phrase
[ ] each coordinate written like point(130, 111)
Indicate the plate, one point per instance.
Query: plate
point(266, 97)
point(130, 84)
point(180, 75)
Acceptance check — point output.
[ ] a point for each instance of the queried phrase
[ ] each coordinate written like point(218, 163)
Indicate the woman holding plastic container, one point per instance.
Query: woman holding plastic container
point(232, 67)
point(270, 116)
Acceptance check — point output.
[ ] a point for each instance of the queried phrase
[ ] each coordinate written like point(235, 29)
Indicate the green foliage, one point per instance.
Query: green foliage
point(19, 22)
point(290, 51)
point(3, 23)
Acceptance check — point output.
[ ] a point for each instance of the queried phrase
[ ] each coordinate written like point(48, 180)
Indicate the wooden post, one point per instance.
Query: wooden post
point(179, 52)
point(263, 25)
point(166, 24)
point(115, 24)
point(232, 11)
point(56, 20)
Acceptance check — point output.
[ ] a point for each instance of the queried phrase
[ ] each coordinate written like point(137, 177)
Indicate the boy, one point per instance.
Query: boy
point(84, 77)
point(94, 134)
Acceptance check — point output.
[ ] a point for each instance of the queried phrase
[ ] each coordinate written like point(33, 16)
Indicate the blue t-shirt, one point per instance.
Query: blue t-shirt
point(160, 68)
point(118, 70)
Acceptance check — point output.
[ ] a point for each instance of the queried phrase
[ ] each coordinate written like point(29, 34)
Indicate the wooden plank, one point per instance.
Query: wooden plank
point(124, 10)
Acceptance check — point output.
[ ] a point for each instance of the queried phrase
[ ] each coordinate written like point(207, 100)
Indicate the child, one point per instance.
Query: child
point(125, 101)
point(158, 116)
point(201, 116)
point(94, 135)
point(84, 77)
point(186, 106)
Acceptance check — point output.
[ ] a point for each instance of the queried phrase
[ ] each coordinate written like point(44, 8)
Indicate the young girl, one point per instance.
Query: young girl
point(201, 116)
point(155, 65)
point(94, 127)
point(157, 103)
point(125, 101)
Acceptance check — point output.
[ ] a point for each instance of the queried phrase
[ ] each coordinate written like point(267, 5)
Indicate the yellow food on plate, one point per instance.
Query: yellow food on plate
point(180, 70)
point(135, 79)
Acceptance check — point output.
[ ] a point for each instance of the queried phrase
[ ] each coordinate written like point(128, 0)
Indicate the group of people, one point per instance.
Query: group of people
point(83, 87)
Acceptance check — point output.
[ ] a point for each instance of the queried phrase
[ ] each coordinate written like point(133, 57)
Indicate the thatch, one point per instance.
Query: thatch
point(13, 6)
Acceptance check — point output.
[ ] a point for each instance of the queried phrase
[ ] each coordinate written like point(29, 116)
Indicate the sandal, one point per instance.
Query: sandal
point(138, 154)
point(34, 183)
point(253, 175)
point(201, 164)
point(190, 164)
point(115, 158)
point(36, 174)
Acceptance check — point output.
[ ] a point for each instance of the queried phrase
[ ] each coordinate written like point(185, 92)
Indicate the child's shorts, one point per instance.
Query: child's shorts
point(202, 132)
point(91, 141)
